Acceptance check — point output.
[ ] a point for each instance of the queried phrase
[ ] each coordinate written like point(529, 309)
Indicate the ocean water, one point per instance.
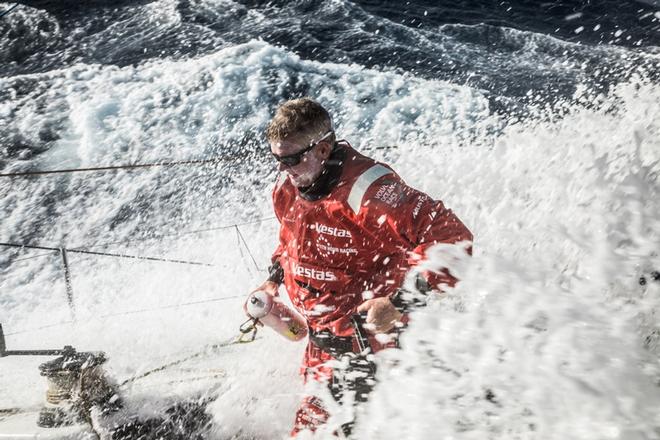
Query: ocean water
point(537, 123)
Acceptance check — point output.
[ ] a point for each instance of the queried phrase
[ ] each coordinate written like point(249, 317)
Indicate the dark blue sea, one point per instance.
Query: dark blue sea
point(537, 122)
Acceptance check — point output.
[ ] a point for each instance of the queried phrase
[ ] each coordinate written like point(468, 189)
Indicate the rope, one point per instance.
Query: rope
point(106, 254)
point(205, 351)
point(240, 339)
point(117, 167)
point(210, 374)
point(11, 8)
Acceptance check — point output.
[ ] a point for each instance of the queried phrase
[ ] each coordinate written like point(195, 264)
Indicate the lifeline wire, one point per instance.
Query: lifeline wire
point(36, 329)
point(155, 237)
point(181, 234)
point(240, 236)
point(106, 254)
point(11, 8)
point(117, 167)
point(52, 249)
point(128, 312)
point(172, 306)
point(32, 257)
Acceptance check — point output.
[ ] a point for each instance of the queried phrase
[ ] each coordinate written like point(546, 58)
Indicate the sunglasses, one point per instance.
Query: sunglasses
point(291, 160)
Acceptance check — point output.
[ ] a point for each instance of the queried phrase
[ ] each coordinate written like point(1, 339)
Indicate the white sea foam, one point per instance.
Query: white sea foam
point(550, 322)
point(549, 316)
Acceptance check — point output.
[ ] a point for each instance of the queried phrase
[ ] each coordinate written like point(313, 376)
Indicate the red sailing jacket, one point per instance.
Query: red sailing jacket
point(363, 236)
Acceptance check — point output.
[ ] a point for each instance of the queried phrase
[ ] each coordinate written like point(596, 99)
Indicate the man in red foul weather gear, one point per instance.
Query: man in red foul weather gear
point(350, 230)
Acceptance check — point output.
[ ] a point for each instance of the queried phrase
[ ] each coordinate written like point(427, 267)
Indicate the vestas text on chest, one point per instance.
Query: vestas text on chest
point(329, 230)
point(308, 272)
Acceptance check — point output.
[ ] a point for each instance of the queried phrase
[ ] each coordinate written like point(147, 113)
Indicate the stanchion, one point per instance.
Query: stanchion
point(67, 281)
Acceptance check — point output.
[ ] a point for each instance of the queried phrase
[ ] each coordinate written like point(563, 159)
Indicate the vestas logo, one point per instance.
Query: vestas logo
point(308, 272)
point(419, 204)
point(335, 232)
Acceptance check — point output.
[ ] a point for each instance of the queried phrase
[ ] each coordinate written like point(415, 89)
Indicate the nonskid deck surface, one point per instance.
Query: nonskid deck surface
point(23, 425)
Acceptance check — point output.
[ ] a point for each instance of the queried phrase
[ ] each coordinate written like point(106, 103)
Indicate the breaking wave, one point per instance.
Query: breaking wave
point(550, 334)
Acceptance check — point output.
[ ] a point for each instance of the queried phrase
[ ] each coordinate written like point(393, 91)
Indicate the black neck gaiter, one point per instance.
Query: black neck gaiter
point(329, 178)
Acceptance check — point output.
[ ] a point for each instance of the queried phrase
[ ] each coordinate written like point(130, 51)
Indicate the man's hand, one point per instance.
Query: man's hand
point(381, 314)
point(269, 287)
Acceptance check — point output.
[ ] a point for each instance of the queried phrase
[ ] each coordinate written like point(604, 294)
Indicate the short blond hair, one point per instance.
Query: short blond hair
point(301, 117)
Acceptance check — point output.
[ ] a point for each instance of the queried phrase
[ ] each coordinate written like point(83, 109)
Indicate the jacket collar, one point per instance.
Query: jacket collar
point(329, 177)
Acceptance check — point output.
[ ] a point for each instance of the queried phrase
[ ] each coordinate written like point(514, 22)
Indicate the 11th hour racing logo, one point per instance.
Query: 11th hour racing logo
point(316, 274)
point(335, 232)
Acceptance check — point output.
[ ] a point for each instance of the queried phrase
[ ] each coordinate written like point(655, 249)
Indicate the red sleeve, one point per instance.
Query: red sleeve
point(275, 270)
point(275, 258)
point(279, 202)
point(414, 221)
